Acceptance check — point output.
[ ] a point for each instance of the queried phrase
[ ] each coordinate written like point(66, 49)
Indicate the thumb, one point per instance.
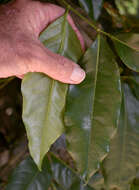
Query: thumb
point(56, 66)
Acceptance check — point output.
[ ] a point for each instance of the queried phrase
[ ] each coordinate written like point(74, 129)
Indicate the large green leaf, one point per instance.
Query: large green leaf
point(27, 176)
point(121, 163)
point(44, 98)
point(129, 50)
point(54, 174)
point(92, 7)
point(93, 107)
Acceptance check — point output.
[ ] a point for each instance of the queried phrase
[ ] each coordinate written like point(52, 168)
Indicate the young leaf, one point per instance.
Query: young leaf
point(93, 8)
point(27, 176)
point(128, 54)
point(44, 98)
point(123, 158)
point(92, 109)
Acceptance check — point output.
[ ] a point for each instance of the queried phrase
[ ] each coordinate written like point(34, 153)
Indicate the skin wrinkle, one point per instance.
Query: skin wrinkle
point(21, 51)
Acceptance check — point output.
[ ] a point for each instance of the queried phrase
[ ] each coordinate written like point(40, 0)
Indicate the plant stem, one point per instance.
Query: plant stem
point(82, 17)
point(95, 27)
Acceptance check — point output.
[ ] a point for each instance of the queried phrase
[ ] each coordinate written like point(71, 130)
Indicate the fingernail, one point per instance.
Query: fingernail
point(77, 75)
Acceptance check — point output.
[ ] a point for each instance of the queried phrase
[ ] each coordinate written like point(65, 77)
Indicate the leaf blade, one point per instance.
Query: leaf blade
point(128, 52)
point(46, 97)
point(86, 109)
point(123, 156)
point(27, 177)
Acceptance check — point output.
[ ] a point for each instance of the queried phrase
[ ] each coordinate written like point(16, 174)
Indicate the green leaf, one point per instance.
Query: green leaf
point(92, 7)
point(27, 176)
point(44, 98)
point(121, 163)
point(127, 51)
point(54, 174)
point(43, 103)
point(92, 108)
point(65, 177)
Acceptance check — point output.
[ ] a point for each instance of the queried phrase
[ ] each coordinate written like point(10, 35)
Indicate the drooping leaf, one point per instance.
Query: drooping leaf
point(43, 97)
point(92, 109)
point(129, 50)
point(92, 7)
point(54, 174)
point(65, 177)
point(123, 158)
point(27, 176)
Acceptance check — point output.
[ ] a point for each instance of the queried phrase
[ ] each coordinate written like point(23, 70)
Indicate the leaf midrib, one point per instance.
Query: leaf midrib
point(53, 81)
point(123, 144)
point(97, 65)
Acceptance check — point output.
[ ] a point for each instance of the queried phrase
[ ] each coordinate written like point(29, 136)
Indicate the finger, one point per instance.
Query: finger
point(20, 76)
point(57, 67)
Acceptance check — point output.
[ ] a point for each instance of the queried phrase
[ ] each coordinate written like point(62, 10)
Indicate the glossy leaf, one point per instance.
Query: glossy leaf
point(66, 178)
point(92, 110)
point(27, 176)
point(121, 163)
point(44, 98)
point(92, 7)
point(128, 51)
point(54, 174)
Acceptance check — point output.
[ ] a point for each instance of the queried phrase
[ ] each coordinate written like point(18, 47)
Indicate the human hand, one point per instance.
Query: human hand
point(21, 22)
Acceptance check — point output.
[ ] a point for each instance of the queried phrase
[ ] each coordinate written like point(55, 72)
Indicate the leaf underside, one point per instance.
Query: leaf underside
point(43, 97)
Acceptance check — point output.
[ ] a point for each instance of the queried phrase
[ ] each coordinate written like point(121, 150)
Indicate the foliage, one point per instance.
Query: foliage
point(99, 117)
